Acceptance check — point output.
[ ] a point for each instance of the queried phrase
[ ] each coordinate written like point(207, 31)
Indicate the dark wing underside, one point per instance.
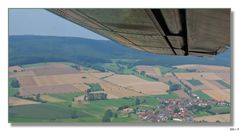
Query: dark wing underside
point(195, 32)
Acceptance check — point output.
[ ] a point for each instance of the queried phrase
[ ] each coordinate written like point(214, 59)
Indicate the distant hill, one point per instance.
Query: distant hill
point(27, 49)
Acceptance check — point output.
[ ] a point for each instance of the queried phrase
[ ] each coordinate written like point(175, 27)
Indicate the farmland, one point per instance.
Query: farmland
point(202, 95)
point(217, 118)
point(58, 92)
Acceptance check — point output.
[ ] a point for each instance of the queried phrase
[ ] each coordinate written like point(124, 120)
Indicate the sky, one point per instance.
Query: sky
point(42, 22)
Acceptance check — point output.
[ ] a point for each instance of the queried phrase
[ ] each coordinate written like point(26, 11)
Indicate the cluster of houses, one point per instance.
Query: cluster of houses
point(177, 109)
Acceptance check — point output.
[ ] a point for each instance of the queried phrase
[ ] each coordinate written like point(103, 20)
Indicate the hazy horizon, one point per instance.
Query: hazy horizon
point(42, 22)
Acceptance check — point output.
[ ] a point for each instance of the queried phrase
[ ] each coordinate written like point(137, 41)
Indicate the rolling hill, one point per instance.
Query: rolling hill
point(27, 49)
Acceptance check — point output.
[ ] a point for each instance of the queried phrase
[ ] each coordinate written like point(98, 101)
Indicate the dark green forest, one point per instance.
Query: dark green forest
point(28, 49)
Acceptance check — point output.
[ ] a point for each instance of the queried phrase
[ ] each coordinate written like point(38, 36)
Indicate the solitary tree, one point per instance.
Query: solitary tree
point(38, 96)
point(137, 101)
point(142, 73)
point(107, 116)
point(15, 84)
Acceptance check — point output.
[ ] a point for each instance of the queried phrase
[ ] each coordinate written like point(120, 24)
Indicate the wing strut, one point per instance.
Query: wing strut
point(159, 17)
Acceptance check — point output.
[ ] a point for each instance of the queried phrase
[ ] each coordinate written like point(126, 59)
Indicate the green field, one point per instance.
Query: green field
point(67, 96)
point(97, 108)
point(124, 69)
point(154, 100)
point(202, 95)
point(93, 111)
point(220, 110)
point(82, 119)
point(132, 118)
point(118, 68)
point(195, 82)
point(43, 112)
point(164, 70)
point(224, 83)
point(201, 113)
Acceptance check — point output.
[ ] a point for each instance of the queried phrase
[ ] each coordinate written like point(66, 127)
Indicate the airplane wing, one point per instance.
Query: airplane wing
point(195, 32)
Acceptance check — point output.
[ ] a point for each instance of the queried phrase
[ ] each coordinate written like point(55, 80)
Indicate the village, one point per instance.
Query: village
point(179, 109)
point(142, 93)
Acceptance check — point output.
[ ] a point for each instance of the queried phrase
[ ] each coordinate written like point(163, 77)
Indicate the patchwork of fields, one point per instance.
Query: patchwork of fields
point(53, 86)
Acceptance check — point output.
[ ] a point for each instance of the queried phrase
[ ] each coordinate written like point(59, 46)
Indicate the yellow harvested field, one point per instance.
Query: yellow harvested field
point(14, 101)
point(219, 85)
point(197, 76)
point(157, 70)
point(215, 91)
point(125, 80)
point(150, 88)
point(225, 76)
point(50, 98)
point(115, 91)
point(219, 94)
point(101, 74)
point(137, 85)
point(209, 84)
point(81, 87)
point(64, 79)
point(214, 118)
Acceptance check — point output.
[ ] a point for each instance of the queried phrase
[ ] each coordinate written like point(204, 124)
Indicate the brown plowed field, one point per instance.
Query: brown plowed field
point(182, 94)
point(197, 76)
point(26, 81)
point(20, 74)
point(149, 70)
point(31, 90)
point(15, 68)
point(52, 69)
